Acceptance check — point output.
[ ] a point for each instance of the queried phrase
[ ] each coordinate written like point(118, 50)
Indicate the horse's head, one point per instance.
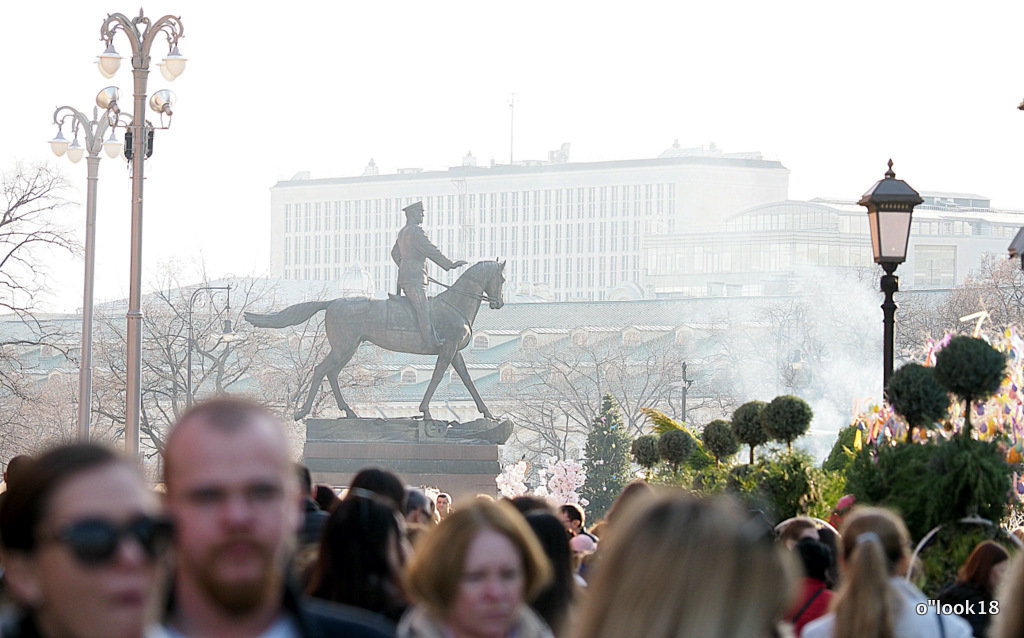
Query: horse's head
point(494, 285)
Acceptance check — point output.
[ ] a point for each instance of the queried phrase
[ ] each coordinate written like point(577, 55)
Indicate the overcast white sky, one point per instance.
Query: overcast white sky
point(832, 90)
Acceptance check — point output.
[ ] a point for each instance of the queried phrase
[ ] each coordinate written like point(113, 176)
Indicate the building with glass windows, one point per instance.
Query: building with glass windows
point(763, 250)
point(570, 231)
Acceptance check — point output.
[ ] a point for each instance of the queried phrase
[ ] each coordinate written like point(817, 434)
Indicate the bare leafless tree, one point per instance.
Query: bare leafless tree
point(33, 229)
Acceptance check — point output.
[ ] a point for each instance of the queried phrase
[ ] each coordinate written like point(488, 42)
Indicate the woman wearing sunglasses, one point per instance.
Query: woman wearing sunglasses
point(81, 540)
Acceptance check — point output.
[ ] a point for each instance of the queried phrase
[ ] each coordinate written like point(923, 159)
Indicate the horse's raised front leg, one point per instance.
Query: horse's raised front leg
point(460, 367)
point(444, 358)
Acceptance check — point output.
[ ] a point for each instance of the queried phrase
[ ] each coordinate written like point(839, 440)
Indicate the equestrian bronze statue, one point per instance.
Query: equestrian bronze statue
point(392, 324)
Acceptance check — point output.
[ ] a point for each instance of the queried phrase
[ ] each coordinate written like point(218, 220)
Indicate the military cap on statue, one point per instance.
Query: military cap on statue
point(416, 207)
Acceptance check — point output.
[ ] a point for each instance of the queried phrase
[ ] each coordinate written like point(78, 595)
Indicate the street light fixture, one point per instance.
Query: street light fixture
point(890, 203)
point(141, 33)
point(227, 336)
point(93, 130)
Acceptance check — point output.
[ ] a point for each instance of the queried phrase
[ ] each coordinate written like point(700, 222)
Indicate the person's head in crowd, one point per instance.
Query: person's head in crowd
point(572, 517)
point(325, 497)
point(419, 509)
point(985, 567)
point(362, 555)
point(675, 566)
point(443, 504)
point(15, 467)
point(791, 531)
point(554, 601)
point(876, 546)
point(831, 539)
point(234, 496)
point(815, 557)
point(381, 482)
point(527, 503)
point(82, 541)
point(312, 519)
point(1009, 622)
point(633, 489)
point(235, 499)
point(305, 480)
point(474, 573)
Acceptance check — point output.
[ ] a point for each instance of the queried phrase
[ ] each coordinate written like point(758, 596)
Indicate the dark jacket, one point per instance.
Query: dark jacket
point(313, 521)
point(322, 619)
point(972, 597)
point(24, 627)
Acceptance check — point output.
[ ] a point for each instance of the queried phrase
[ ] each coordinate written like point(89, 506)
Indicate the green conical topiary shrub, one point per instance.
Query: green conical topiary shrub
point(607, 461)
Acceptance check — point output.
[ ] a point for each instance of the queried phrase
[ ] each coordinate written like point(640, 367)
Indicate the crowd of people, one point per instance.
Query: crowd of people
point(240, 543)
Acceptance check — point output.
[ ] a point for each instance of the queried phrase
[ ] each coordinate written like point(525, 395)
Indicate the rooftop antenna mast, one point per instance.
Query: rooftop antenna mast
point(511, 126)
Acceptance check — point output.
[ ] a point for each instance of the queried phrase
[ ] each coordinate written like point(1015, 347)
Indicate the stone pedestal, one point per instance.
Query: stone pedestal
point(335, 451)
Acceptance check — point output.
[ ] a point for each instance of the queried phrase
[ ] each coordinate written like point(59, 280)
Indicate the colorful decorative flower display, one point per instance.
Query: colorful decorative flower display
point(1000, 417)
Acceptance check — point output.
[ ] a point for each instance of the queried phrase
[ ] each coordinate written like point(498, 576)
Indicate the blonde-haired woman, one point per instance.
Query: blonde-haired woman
point(473, 574)
point(675, 566)
point(875, 599)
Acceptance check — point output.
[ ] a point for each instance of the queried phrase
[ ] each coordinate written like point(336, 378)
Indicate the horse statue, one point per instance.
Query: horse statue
point(391, 324)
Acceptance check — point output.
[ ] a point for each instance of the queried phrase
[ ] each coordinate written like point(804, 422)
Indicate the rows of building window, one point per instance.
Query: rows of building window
point(526, 207)
point(786, 218)
point(753, 257)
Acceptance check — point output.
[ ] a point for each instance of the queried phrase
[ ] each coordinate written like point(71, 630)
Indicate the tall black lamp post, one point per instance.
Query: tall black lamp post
point(890, 203)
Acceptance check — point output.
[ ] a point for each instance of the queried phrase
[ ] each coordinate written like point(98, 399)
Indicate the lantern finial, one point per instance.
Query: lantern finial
point(889, 174)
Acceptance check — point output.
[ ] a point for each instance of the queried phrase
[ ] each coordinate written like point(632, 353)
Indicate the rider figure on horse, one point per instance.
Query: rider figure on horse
point(411, 251)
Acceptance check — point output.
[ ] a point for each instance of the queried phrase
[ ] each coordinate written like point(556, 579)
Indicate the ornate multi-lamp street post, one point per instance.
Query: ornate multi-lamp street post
point(890, 203)
point(93, 131)
point(139, 145)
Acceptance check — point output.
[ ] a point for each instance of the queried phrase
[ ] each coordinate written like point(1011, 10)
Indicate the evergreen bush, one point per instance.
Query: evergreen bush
point(971, 369)
point(607, 459)
point(719, 440)
point(675, 446)
point(645, 451)
point(746, 425)
point(786, 418)
point(842, 453)
point(915, 394)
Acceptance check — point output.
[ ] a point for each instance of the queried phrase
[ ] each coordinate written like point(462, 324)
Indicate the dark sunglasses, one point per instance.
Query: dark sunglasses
point(95, 541)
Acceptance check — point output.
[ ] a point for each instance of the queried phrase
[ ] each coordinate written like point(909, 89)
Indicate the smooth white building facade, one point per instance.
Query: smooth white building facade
point(570, 231)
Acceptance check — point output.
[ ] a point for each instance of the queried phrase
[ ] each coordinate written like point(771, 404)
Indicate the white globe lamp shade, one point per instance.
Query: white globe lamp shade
point(174, 64)
point(75, 152)
point(113, 147)
point(59, 145)
point(109, 61)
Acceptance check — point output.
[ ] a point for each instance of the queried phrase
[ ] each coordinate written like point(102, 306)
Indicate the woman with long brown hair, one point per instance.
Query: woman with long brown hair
point(976, 584)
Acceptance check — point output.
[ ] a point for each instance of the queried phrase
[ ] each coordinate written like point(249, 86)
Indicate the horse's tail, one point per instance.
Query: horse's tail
point(290, 316)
